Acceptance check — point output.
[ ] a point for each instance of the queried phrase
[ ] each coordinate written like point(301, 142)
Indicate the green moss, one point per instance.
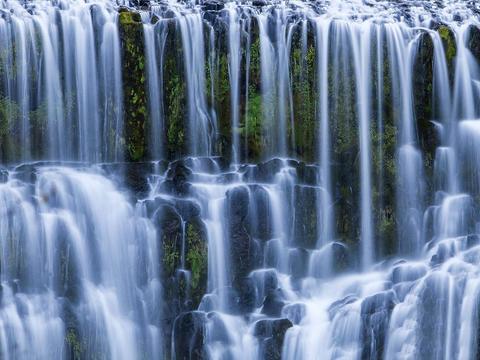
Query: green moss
point(175, 93)
point(171, 258)
point(135, 97)
point(449, 42)
point(303, 74)
point(252, 129)
point(73, 343)
point(196, 259)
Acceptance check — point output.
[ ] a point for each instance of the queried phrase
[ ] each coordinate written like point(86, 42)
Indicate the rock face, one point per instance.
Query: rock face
point(262, 243)
point(271, 334)
point(189, 334)
point(134, 83)
point(242, 246)
point(375, 315)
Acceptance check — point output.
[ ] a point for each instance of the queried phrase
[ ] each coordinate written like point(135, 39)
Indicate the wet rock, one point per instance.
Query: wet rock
point(212, 5)
point(218, 330)
point(245, 297)
point(4, 175)
point(444, 252)
point(423, 100)
point(259, 3)
point(26, 173)
point(140, 3)
point(175, 90)
point(432, 307)
point(341, 257)
point(298, 262)
point(152, 205)
point(271, 335)
point(264, 172)
point(189, 332)
point(449, 45)
point(407, 272)
point(206, 164)
point(305, 218)
point(238, 200)
point(307, 174)
point(265, 281)
point(375, 313)
point(472, 240)
point(339, 304)
point(474, 41)
point(208, 303)
point(260, 214)
point(134, 87)
point(196, 258)
point(135, 175)
point(273, 303)
point(243, 250)
point(175, 283)
point(177, 178)
point(294, 312)
point(188, 209)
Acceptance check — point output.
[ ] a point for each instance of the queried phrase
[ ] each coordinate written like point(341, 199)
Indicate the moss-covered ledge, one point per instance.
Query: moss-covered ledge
point(134, 86)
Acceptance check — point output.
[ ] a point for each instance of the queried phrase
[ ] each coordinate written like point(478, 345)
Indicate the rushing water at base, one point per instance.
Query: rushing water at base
point(239, 181)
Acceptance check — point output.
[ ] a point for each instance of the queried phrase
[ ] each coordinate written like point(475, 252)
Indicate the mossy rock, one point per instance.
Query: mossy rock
point(474, 41)
point(303, 74)
point(75, 348)
point(134, 83)
point(450, 47)
point(196, 258)
point(422, 78)
point(175, 92)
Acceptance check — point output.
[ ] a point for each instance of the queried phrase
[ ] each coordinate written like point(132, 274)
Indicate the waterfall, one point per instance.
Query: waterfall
point(229, 180)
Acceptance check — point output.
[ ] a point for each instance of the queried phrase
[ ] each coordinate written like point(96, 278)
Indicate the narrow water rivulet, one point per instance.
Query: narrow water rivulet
point(239, 180)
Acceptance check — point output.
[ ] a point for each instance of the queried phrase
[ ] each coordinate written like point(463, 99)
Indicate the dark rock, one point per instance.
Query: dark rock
point(339, 304)
point(264, 172)
point(298, 262)
point(474, 41)
point(341, 257)
point(375, 313)
point(140, 3)
point(271, 335)
point(305, 218)
point(243, 252)
point(265, 281)
point(259, 3)
point(273, 303)
point(407, 272)
point(134, 87)
point(218, 330)
point(260, 215)
point(307, 174)
point(136, 177)
point(423, 88)
point(238, 200)
point(245, 299)
point(4, 175)
point(188, 209)
point(196, 258)
point(472, 240)
point(177, 176)
point(189, 332)
point(294, 312)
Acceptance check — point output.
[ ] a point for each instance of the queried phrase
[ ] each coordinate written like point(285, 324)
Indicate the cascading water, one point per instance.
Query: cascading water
point(290, 180)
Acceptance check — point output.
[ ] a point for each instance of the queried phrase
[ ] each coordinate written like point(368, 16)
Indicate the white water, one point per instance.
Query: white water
point(81, 260)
